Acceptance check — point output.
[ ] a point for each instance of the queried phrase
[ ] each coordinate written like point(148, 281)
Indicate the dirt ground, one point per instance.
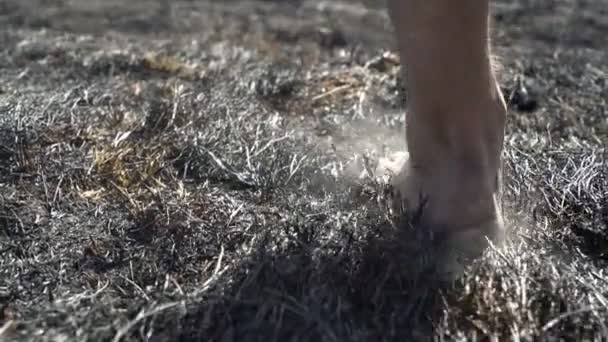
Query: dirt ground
point(197, 171)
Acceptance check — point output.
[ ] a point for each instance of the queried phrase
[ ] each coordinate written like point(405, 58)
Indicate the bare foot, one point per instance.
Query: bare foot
point(454, 212)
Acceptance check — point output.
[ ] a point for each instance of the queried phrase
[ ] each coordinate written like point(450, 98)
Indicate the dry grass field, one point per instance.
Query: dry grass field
point(198, 172)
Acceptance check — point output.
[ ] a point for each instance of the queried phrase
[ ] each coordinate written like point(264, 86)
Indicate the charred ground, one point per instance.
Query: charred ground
point(191, 173)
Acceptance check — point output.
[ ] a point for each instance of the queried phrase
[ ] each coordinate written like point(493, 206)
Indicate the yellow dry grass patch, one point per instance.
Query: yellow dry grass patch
point(131, 169)
point(343, 85)
point(169, 64)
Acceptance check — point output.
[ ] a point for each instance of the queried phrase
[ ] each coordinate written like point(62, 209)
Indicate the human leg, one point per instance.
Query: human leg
point(455, 118)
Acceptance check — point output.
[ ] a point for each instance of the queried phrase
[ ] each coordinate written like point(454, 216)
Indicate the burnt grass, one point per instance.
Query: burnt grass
point(197, 171)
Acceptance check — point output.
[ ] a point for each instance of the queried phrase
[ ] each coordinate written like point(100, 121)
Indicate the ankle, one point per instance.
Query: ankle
point(470, 135)
point(457, 163)
point(458, 196)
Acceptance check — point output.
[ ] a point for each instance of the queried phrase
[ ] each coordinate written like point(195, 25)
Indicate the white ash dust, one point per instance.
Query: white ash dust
point(366, 149)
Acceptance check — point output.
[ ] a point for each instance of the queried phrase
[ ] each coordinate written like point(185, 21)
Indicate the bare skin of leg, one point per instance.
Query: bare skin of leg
point(455, 118)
